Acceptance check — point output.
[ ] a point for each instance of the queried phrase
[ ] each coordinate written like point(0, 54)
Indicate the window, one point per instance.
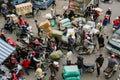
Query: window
point(116, 37)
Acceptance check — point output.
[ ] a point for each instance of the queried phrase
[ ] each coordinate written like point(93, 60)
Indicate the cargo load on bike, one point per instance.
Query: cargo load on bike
point(71, 73)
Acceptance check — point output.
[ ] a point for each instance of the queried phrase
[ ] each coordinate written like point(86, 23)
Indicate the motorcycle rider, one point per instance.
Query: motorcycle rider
point(87, 42)
point(112, 61)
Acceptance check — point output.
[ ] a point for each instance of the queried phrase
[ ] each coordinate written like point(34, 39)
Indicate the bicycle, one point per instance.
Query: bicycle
point(44, 61)
point(36, 12)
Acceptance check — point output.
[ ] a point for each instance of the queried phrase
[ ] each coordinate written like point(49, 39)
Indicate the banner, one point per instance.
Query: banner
point(24, 8)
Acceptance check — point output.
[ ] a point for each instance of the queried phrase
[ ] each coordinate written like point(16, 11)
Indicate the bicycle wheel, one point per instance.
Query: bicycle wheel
point(44, 66)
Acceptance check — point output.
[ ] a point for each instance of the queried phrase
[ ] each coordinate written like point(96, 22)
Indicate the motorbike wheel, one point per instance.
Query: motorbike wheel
point(91, 70)
point(29, 15)
point(110, 75)
point(44, 66)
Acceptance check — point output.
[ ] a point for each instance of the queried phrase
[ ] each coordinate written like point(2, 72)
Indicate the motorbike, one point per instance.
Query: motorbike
point(108, 72)
point(89, 68)
point(9, 26)
point(82, 50)
point(107, 1)
point(86, 67)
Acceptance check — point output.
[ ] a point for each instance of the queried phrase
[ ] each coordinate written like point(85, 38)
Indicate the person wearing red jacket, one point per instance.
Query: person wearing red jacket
point(21, 21)
point(25, 63)
point(116, 22)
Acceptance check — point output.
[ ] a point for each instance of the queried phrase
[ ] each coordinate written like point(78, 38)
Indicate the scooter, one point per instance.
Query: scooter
point(90, 68)
point(108, 72)
point(8, 26)
point(82, 50)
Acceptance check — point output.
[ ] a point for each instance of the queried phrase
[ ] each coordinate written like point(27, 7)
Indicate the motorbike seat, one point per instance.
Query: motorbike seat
point(88, 65)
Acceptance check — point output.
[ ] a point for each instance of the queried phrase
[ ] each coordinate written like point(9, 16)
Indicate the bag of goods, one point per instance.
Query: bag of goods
point(56, 55)
point(52, 22)
point(24, 8)
point(44, 24)
point(70, 71)
point(14, 17)
point(65, 23)
point(57, 33)
point(64, 39)
point(46, 27)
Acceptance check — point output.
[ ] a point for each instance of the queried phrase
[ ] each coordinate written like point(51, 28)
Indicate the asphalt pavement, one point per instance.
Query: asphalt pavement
point(90, 59)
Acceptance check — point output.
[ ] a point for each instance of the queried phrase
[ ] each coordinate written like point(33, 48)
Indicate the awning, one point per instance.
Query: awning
point(5, 50)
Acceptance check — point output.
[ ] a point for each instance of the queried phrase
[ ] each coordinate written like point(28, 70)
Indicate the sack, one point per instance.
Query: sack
point(70, 71)
point(55, 55)
point(52, 22)
point(56, 33)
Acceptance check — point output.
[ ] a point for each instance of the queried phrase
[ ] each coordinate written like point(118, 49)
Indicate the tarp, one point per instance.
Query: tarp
point(5, 50)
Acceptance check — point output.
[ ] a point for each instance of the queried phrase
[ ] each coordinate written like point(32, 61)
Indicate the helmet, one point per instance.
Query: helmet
point(88, 37)
point(71, 34)
point(112, 56)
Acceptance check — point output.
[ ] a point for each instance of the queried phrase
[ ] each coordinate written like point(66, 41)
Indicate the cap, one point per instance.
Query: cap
point(109, 8)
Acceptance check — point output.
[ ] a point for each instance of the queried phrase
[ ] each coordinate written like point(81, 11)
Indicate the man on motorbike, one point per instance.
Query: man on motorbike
point(87, 42)
point(112, 61)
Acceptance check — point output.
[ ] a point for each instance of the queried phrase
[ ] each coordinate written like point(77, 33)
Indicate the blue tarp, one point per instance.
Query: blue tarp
point(5, 50)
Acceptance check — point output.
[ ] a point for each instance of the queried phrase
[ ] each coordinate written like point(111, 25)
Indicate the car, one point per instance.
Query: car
point(42, 4)
point(113, 44)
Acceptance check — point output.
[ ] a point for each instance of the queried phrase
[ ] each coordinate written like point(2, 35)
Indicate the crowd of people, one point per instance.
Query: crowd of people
point(29, 55)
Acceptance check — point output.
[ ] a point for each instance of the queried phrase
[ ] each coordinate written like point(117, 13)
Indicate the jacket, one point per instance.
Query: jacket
point(25, 63)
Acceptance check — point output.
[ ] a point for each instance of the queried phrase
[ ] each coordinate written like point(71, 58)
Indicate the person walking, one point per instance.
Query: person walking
point(101, 41)
point(36, 23)
point(25, 63)
point(109, 12)
point(99, 62)
point(105, 21)
point(80, 64)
